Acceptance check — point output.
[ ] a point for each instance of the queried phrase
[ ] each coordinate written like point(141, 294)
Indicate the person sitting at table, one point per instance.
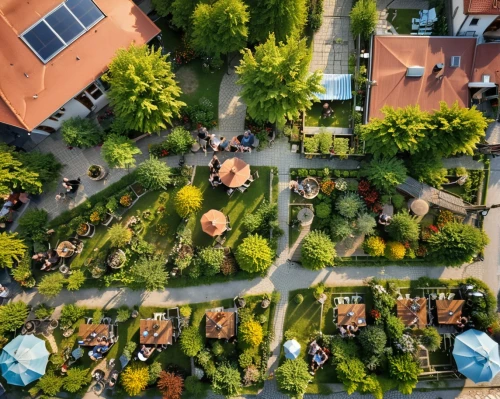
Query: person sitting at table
point(42, 257)
point(313, 348)
point(343, 331)
point(234, 145)
point(214, 164)
point(223, 144)
point(297, 187)
point(51, 260)
point(214, 142)
point(462, 322)
point(99, 350)
point(327, 111)
point(352, 328)
point(318, 360)
point(214, 179)
point(145, 351)
point(247, 141)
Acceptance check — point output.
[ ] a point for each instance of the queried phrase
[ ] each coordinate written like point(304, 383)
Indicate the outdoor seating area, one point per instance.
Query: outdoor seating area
point(221, 324)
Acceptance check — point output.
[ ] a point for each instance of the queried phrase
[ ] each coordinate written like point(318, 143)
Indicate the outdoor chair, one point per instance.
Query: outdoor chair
point(242, 189)
point(451, 296)
point(250, 180)
point(442, 296)
point(88, 320)
point(230, 192)
point(106, 320)
point(357, 299)
point(447, 341)
point(172, 313)
point(157, 316)
point(272, 138)
point(228, 223)
point(434, 296)
point(256, 142)
point(399, 297)
point(407, 296)
point(347, 300)
point(256, 175)
point(220, 241)
point(338, 301)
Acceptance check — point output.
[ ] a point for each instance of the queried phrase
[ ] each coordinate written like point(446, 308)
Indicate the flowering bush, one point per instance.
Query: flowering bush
point(161, 229)
point(374, 246)
point(395, 251)
point(421, 251)
point(444, 217)
point(433, 228)
point(126, 200)
point(363, 187)
point(95, 217)
point(327, 187)
point(82, 229)
point(185, 54)
point(375, 314)
point(158, 150)
point(341, 184)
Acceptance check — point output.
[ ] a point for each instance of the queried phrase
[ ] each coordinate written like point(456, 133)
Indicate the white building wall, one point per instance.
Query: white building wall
point(461, 22)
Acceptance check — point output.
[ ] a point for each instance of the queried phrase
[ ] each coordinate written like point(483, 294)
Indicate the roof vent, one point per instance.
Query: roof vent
point(455, 61)
point(415, 72)
point(486, 79)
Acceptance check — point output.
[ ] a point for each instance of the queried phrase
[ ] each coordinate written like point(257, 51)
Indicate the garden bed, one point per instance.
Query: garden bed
point(341, 114)
point(325, 143)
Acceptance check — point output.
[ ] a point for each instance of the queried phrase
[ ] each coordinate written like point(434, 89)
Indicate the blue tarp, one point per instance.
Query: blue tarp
point(338, 87)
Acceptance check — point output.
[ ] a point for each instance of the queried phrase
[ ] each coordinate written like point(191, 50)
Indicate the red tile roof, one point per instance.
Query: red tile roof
point(487, 62)
point(484, 7)
point(63, 77)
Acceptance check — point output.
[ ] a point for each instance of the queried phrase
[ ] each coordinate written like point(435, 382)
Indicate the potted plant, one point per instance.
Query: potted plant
point(85, 229)
point(135, 224)
point(126, 200)
point(116, 260)
point(96, 172)
point(266, 301)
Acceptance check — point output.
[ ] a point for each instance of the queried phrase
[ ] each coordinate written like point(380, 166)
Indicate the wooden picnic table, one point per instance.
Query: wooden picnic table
point(225, 320)
point(444, 307)
point(359, 316)
point(163, 330)
point(101, 330)
point(65, 249)
point(407, 315)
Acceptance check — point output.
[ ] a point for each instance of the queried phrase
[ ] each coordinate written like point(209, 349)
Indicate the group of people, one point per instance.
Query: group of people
point(47, 259)
point(71, 187)
point(319, 356)
point(12, 203)
point(214, 167)
point(242, 143)
point(297, 188)
point(349, 330)
point(99, 350)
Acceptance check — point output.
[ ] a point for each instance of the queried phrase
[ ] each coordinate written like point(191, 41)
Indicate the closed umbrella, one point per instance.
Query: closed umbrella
point(292, 349)
point(23, 360)
point(476, 355)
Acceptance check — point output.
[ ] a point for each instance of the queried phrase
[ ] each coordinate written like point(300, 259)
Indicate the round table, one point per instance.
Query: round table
point(65, 249)
point(305, 216)
point(311, 187)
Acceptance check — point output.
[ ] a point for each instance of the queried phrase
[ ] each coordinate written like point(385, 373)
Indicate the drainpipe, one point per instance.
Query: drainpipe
point(462, 25)
point(369, 87)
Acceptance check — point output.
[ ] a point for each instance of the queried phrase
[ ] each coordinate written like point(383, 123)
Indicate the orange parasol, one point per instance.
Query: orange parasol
point(234, 172)
point(213, 223)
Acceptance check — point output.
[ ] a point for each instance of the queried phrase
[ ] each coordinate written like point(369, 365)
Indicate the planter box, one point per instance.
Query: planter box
point(103, 173)
point(311, 133)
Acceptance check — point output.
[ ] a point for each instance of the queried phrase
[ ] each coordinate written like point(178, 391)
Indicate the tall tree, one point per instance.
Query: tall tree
point(11, 249)
point(220, 28)
point(143, 90)
point(276, 80)
point(364, 18)
point(162, 7)
point(284, 18)
point(457, 130)
point(118, 151)
point(14, 175)
point(402, 129)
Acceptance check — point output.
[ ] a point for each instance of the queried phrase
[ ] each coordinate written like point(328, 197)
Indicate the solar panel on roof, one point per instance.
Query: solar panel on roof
point(65, 24)
point(43, 41)
point(85, 10)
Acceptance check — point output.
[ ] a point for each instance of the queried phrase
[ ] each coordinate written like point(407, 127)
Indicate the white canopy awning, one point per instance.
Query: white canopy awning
point(337, 86)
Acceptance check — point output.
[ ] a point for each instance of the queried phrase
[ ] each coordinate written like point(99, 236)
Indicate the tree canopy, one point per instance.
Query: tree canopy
point(11, 249)
point(143, 90)
point(276, 82)
point(384, 173)
point(118, 151)
point(364, 17)
point(14, 175)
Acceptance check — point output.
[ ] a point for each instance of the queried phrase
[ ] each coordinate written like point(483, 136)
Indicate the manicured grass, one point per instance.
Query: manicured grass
point(402, 22)
point(293, 232)
point(341, 113)
point(235, 207)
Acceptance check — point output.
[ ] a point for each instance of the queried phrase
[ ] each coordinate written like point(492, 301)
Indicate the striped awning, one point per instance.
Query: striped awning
point(337, 86)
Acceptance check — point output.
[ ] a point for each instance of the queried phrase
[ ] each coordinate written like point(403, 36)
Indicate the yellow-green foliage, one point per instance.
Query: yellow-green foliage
point(374, 246)
point(251, 332)
point(134, 379)
point(188, 200)
point(395, 251)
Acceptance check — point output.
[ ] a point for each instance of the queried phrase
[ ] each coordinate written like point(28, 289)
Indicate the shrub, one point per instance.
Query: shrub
point(374, 246)
point(12, 249)
point(154, 370)
point(384, 173)
point(252, 375)
point(191, 341)
point(325, 142)
point(394, 251)
point(428, 168)
point(327, 187)
point(33, 225)
point(323, 210)
point(365, 224)
point(364, 18)
point(349, 205)
point(431, 339)
point(372, 340)
point(194, 387)
point(51, 285)
point(50, 384)
point(254, 254)
point(119, 235)
point(75, 280)
point(226, 381)
point(70, 314)
point(129, 349)
point(126, 200)
point(134, 379)
point(318, 251)
point(340, 228)
point(444, 217)
point(81, 132)
point(154, 174)
point(43, 311)
point(352, 374)
point(185, 311)
point(150, 273)
point(217, 349)
point(118, 151)
point(394, 327)
point(251, 332)
point(293, 376)
point(398, 201)
point(341, 147)
point(311, 144)
point(12, 316)
point(179, 141)
point(211, 260)
point(123, 314)
point(405, 370)
point(202, 113)
point(245, 359)
point(45, 165)
point(188, 200)
point(340, 183)
point(404, 227)
point(299, 298)
point(76, 378)
point(170, 385)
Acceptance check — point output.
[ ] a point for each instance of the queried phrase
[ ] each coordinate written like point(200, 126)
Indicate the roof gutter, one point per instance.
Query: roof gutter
point(6, 101)
point(368, 86)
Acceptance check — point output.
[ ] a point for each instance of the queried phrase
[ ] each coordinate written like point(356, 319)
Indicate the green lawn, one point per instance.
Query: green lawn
point(402, 22)
point(235, 207)
point(293, 232)
point(341, 113)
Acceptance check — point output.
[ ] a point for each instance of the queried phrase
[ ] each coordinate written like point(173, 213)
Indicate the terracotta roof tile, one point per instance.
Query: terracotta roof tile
point(484, 7)
point(487, 62)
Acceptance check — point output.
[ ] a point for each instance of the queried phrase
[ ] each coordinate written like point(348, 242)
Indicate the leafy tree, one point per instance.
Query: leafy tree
point(404, 227)
point(14, 175)
point(211, 260)
point(427, 167)
point(170, 385)
point(318, 251)
point(293, 376)
point(33, 225)
point(50, 384)
point(155, 370)
point(372, 340)
point(45, 165)
point(150, 273)
point(179, 141)
point(431, 339)
point(323, 210)
point(191, 341)
point(254, 254)
point(276, 82)
point(402, 129)
point(71, 313)
point(23, 273)
point(143, 90)
point(456, 243)
point(340, 228)
point(75, 280)
point(162, 7)
point(220, 28)
point(81, 132)
point(119, 235)
point(349, 205)
point(226, 381)
point(188, 200)
point(352, 374)
point(284, 18)
point(51, 285)
point(394, 327)
point(384, 173)
point(365, 224)
point(405, 370)
point(374, 246)
point(12, 316)
point(394, 251)
point(364, 17)
point(251, 332)
point(154, 174)
point(457, 129)
point(11, 249)
point(182, 12)
point(76, 378)
point(43, 311)
point(135, 379)
point(194, 387)
point(118, 151)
